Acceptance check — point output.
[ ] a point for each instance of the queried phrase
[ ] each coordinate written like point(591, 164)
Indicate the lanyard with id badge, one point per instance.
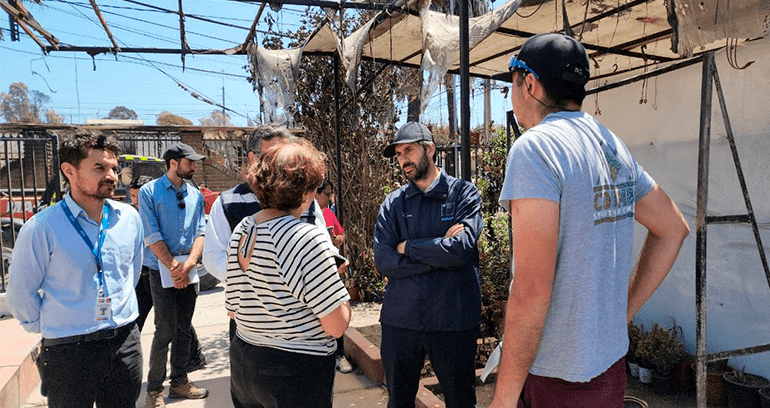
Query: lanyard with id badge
point(103, 310)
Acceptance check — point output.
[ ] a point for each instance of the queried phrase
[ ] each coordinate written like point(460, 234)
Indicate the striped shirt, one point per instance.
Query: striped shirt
point(291, 281)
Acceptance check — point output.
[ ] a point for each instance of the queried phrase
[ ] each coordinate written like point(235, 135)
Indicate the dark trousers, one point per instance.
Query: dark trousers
point(173, 316)
point(605, 391)
point(106, 372)
point(144, 297)
point(264, 377)
point(452, 355)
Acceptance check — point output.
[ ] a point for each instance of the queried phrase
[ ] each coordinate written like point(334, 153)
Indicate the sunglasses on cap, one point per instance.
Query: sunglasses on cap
point(515, 63)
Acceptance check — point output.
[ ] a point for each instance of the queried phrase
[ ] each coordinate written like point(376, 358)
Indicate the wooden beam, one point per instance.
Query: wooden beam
point(140, 50)
point(182, 39)
point(17, 11)
point(106, 28)
point(253, 30)
point(241, 48)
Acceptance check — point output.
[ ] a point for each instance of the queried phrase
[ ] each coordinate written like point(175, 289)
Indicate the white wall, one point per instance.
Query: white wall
point(663, 135)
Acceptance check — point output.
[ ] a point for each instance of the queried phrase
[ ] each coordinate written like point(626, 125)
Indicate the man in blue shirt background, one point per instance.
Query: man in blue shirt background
point(85, 255)
point(425, 244)
point(174, 224)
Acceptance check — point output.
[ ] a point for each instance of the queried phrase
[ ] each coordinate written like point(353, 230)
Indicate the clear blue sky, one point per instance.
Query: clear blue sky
point(84, 88)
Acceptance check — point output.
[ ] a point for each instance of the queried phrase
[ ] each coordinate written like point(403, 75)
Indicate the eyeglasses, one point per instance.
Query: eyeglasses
point(515, 63)
point(180, 197)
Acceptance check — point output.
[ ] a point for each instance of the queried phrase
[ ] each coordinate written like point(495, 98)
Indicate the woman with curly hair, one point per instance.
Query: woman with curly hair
point(282, 287)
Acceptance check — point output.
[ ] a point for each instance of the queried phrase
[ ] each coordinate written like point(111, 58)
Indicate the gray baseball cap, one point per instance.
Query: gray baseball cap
point(182, 151)
point(410, 132)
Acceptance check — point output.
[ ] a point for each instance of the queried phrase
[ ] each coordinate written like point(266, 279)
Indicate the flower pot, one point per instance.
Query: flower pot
point(645, 375)
point(683, 377)
point(764, 395)
point(662, 384)
point(633, 368)
point(715, 382)
point(744, 394)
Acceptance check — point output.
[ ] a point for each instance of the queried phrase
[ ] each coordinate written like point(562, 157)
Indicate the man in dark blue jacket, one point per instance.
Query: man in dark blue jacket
point(425, 244)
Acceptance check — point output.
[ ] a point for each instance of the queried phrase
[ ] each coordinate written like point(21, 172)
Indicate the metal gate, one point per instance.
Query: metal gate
point(29, 180)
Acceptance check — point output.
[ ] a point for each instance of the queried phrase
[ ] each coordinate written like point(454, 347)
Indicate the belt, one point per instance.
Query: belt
point(103, 334)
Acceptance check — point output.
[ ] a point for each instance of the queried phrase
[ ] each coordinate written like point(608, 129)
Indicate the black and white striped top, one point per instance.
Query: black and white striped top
point(290, 283)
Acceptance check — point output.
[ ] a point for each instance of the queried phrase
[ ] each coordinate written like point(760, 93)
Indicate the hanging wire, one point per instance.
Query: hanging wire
point(530, 14)
point(732, 54)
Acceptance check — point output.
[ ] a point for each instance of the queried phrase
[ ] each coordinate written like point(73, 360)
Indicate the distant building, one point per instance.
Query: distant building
point(115, 122)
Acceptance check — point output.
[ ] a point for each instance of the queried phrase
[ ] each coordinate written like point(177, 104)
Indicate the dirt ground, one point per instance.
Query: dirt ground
point(365, 320)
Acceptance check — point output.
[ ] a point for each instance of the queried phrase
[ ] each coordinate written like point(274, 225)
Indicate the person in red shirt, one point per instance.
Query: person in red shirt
point(208, 197)
point(324, 196)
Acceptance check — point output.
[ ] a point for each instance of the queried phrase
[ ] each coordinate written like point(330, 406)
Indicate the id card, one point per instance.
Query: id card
point(103, 308)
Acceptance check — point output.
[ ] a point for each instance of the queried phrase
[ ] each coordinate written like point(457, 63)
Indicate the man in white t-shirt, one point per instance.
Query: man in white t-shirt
point(573, 191)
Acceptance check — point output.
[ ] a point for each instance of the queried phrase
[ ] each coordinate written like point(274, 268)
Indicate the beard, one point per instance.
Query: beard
point(105, 189)
point(419, 170)
point(185, 175)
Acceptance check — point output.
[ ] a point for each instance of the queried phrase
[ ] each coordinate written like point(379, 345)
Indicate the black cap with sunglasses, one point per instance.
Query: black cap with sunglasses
point(551, 56)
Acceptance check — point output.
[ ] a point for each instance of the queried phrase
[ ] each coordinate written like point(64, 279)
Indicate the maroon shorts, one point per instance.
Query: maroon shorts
point(605, 391)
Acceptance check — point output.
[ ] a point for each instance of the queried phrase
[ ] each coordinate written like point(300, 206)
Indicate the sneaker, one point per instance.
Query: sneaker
point(196, 363)
point(343, 365)
point(188, 390)
point(154, 399)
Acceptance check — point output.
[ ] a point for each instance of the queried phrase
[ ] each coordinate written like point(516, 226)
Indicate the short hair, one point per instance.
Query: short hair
point(75, 148)
point(558, 91)
point(266, 132)
point(283, 174)
point(323, 185)
point(138, 182)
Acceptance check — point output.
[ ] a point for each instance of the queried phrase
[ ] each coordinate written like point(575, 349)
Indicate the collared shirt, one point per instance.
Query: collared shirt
point(228, 210)
point(50, 256)
point(434, 285)
point(163, 220)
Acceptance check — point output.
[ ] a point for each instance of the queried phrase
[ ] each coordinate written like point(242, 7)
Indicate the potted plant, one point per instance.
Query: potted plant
point(644, 353)
point(715, 381)
point(743, 389)
point(667, 353)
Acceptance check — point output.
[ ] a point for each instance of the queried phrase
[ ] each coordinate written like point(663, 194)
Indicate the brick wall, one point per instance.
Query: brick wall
point(215, 179)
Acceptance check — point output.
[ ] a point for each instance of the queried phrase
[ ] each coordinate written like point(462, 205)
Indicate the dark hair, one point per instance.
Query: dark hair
point(75, 148)
point(283, 174)
point(138, 182)
point(558, 91)
point(323, 185)
point(266, 132)
point(425, 147)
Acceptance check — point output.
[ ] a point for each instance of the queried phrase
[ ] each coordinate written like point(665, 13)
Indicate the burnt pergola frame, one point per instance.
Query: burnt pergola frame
point(710, 80)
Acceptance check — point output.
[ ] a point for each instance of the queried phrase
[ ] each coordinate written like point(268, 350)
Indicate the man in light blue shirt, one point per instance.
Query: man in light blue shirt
point(174, 224)
point(72, 279)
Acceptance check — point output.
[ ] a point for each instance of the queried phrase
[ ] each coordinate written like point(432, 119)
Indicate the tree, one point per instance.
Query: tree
point(167, 118)
point(216, 119)
point(20, 105)
point(122, 113)
point(51, 117)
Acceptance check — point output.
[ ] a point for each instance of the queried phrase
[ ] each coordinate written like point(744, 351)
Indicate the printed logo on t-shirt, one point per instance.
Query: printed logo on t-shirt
point(614, 202)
